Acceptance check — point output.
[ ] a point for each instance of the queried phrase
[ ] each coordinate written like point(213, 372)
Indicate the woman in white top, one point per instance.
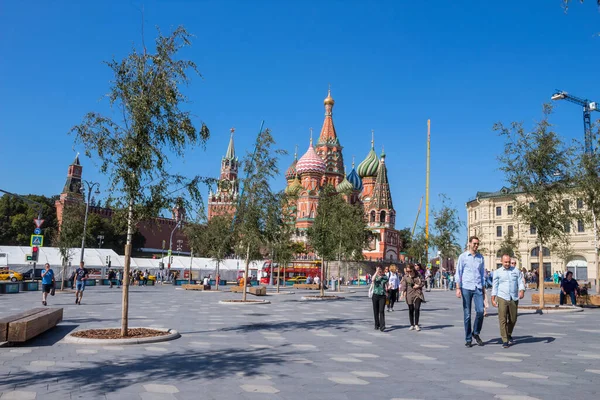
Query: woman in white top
point(392, 287)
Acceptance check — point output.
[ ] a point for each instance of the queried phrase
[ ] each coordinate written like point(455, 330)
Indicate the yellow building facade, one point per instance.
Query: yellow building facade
point(491, 217)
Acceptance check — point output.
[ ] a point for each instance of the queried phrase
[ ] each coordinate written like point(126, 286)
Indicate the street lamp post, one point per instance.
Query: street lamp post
point(100, 240)
point(171, 244)
point(90, 187)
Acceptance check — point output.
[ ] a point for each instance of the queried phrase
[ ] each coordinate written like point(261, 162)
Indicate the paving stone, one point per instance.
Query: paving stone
point(348, 380)
point(260, 389)
point(156, 388)
point(18, 395)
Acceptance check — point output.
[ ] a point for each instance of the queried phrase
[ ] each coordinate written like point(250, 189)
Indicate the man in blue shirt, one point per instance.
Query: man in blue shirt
point(470, 285)
point(47, 283)
point(568, 287)
point(507, 289)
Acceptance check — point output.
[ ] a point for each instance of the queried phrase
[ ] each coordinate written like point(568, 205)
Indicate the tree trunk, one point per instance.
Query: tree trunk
point(278, 275)
point(322, 276)
point(596, 252)
point(62, 283)
point(246, 272)
point(191, 261)
point(218, 277)
point(126, 268)
point(541, 276)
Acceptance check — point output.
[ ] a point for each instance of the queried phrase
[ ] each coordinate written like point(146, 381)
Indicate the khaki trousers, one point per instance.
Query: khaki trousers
point(507, 316)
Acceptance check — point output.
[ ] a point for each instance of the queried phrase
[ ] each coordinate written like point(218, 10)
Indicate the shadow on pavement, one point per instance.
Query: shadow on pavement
point(50, 337)
point(332, 323)
point(524, 339)
point(432, 327)
point(191, 366)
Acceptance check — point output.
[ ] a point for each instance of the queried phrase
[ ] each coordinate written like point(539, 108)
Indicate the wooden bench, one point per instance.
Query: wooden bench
point(554, 298)
point(255, 290)
point(187, 286)
point(28, 324)
point(309, 286)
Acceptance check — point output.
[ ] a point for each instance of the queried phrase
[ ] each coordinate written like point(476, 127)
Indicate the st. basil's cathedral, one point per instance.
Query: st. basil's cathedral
point(321, 165)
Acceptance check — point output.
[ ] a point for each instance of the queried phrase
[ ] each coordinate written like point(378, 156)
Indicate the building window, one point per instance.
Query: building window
point(568, 227)
point(498, 211)
point(382, 216)
point(509, 210)
point(532, 230)
point(535, 252)
point(511, 230)
point(579, 204)
point(475, 213)
point(531, 205)
point(372, 216)
point(566, 205)
point(499, 231)
point(580, 226)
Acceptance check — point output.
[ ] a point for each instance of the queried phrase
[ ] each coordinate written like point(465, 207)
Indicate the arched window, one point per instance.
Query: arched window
point(372, 219)
point(382, 216)
point(535, 252)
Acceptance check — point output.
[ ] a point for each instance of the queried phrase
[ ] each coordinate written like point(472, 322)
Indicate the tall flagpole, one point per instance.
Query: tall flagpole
point(427, 190)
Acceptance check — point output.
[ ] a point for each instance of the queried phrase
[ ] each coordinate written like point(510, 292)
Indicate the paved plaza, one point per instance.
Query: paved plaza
point(294, 349)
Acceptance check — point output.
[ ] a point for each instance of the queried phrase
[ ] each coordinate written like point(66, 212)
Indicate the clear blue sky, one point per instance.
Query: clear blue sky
point(391, 64)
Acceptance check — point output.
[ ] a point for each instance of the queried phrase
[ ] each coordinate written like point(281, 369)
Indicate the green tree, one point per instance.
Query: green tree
point(419, 247)
point(17, 215)
point(257, 201)
point(510, 246)
point(69, 236)
point(446, 227)
point(322, 235)
point(149, 126)
point(405, 237)
point(536, 165)
point(587, 184)
point(215, 239)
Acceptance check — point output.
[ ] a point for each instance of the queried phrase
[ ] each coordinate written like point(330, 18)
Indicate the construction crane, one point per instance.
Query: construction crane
point(417, 219)
point(588, 107)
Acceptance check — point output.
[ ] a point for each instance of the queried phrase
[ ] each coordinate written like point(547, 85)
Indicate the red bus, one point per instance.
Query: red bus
point(296, 269)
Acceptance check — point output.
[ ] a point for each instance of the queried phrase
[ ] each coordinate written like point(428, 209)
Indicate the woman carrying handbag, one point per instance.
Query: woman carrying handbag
point(377, 292)
point(411, 288)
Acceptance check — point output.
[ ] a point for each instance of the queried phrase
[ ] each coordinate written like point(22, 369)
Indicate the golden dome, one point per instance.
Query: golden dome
point(328, 99)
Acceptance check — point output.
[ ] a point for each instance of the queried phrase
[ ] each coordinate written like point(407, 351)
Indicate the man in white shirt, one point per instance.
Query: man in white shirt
point(507, 289)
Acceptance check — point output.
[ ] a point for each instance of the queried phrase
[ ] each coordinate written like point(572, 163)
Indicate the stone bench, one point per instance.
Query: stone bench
point(255, 290)
point(187, 286)
point(554, 298)
point(309, 286)
point(28, 324)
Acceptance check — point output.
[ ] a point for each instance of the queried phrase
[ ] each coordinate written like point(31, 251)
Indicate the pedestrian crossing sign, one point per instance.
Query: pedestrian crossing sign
point(37, 240)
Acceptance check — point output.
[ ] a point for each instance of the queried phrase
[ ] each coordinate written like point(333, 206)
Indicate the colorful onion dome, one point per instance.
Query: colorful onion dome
point(355, 180)
point(291, 171)
point(294, 188)
point(310, 162)
point(368, 168)
point(344, 186)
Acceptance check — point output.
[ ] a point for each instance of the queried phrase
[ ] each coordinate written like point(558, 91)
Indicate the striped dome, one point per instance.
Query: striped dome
point(291, 171)
point(355, 180)
point(368, 168)
point(344, 186)
point(310, 162)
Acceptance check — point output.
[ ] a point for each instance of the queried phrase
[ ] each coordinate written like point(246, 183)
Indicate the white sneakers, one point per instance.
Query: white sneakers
point(412, 328)
point(417, 328)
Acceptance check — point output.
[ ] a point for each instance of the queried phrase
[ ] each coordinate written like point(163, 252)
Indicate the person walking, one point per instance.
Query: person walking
point(393, 285)
point(379, 283)
point(507, 289)
point(81, 275)
point(568, 287)
point(412, 290)
point(470, 286)
point(47, 283)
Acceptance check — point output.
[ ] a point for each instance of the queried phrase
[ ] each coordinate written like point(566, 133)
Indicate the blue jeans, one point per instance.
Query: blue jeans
point(563, 299)
point(469, 297)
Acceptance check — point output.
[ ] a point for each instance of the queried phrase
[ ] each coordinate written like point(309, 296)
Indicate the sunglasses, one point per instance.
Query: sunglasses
point(475, 244)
